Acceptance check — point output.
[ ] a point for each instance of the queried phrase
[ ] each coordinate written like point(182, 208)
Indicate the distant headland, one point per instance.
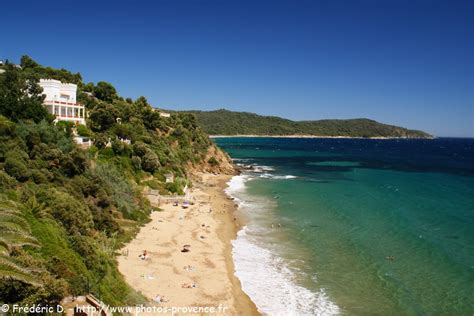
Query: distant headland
point(222, 123)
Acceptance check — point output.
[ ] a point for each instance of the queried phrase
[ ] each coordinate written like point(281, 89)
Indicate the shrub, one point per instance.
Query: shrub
point(140, 149)
point(38, 176)
point(100, 141)
point(153, 184)
point(71, 213)
point(118, 147)
point(7, 127)
point(75, 163)
point(150, 162)
point(6, 181)
point(213, 161)
point(172, 187)
point(82, 130)
point(137, 163)
point(16, 167)
point(65, 126)
point(107, 153)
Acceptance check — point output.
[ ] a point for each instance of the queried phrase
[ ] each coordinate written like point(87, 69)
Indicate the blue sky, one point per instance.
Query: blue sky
point(408, 63)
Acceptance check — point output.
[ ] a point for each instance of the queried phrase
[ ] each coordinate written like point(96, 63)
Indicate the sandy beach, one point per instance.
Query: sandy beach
point(207, 227)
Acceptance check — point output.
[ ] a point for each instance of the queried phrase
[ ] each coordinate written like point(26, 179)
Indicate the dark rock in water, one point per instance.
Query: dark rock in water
point(452, 237)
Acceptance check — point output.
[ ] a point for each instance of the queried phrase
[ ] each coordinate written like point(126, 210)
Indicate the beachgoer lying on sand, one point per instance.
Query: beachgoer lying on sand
point(188, 285)
point(148, 276)
point(160, 299)
point(202, 237)
point(144, 255)
point(188, 268)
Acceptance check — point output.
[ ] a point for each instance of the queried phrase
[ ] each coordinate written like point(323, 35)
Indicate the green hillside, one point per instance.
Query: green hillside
point(223, 122)
point(64, 210)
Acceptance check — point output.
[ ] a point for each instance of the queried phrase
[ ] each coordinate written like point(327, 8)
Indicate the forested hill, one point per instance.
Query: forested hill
point(223, 122)
point(65, 210)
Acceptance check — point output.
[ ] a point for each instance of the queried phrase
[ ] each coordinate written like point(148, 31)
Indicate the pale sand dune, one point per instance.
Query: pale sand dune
point(163, 272)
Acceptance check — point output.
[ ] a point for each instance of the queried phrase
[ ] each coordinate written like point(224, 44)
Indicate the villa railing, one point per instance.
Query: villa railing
point(62, 103)
point(69, 116)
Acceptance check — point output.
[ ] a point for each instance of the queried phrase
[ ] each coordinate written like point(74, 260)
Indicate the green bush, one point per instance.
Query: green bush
point(84, 131)
point(16, 167)
point(7, 127)
point(70, 212)
point(65, 126)
point(213, 161)
point(172, 187)
point(150, 162)
point(118, 147)
point(153, 184)
point(6, 181)
point(75, 163)
point(38, 176)
point(140, 149)
point(136, 163)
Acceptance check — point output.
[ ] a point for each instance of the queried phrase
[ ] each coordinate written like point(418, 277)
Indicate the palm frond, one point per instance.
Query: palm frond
point(13, 222)
point(18, 239)
point(4, 248)
point(15, 272)
point(9, 210)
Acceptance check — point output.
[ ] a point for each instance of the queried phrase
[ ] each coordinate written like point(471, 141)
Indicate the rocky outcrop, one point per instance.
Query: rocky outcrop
point(215, 161)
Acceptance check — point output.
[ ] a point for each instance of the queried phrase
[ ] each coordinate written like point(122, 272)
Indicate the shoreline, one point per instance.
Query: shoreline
point(210, 253)
point(312, 136)
point(244, 305)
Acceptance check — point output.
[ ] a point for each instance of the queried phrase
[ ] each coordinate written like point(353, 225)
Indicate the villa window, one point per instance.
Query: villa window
point(64, 97)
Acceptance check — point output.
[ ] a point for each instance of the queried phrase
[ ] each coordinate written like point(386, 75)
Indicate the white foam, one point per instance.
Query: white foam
point(278, 177)
point(260, 169)
point(265, 276)
point(236, 185)
point(270, 284)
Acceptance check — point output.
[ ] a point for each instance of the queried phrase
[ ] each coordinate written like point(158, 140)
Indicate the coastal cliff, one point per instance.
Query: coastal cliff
point(65, 208)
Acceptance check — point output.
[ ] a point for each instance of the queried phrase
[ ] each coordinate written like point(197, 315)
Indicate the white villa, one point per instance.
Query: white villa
point(60, 100)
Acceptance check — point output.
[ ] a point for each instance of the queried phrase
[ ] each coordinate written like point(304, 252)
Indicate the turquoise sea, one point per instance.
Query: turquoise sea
point(355, 227)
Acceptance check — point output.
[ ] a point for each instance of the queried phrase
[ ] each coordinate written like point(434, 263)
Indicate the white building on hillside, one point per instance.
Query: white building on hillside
point(60, 100)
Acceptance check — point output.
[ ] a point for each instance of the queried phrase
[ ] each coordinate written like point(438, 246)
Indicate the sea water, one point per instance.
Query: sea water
point(355, 227)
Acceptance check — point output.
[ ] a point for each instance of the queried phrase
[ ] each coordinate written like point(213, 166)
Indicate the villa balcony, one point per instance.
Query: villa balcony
point(68, 116)
point(54, 102)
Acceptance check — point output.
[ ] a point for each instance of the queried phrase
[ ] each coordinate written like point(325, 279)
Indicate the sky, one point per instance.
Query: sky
point(407, 63)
